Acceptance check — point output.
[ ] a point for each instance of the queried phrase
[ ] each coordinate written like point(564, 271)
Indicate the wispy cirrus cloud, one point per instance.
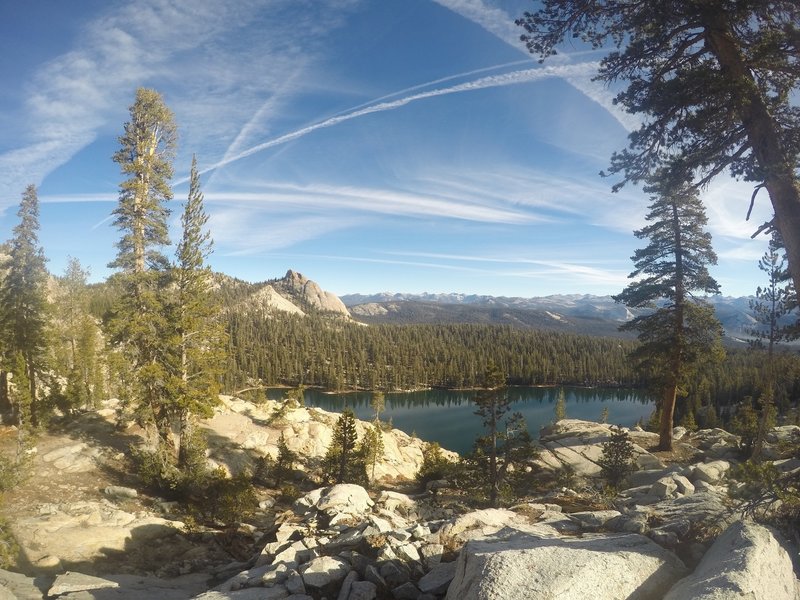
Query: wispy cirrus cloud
point(499, 23)
point(553, 195)
point(575, 272)
point(72, 97)
point(333, 199)
point(494, 20)
point(246, 232)
point(83, 93)
point(491, 81)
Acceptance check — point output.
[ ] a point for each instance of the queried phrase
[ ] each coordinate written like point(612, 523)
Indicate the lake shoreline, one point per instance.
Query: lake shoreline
point(448, 416)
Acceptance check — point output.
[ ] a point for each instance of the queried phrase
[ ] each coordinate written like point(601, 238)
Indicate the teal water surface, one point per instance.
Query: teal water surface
point(448, 416)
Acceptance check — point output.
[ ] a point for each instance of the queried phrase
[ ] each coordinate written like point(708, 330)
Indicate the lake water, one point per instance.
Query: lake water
point(448, 416)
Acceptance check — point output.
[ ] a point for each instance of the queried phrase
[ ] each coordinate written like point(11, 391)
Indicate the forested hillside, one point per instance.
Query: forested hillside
point(335, 355)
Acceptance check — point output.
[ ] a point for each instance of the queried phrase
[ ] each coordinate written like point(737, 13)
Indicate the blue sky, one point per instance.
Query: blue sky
point(402, 146)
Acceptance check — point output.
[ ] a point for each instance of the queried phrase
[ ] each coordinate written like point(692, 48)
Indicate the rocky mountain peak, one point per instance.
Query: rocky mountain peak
point(308, 293)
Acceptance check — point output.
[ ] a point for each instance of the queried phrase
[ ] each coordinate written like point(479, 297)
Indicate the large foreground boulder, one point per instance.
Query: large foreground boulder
point(525, 566)
point(746, 561)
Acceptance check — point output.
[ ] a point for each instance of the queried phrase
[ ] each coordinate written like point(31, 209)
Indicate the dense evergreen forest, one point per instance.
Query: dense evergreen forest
point(313, 350)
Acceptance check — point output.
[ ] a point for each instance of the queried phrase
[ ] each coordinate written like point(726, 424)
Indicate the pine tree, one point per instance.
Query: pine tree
point(198, 331)
point(141, 324)
point(82, 362)
point(616, 461)
point(772, 304)
point(773, 301)
point(378, 404)
point(371, 448)
point(560, 409)
point(341, 463)
point(506, 441)
point(680, 331)
point(284, 464)
point(23, 301)
point(492, 405)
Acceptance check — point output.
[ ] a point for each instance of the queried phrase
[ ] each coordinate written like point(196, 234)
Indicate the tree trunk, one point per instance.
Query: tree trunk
point(493, 483)
point(34, 404)
point(184, 439)
point(667, 415)
point(6, 406)
point(763, 135)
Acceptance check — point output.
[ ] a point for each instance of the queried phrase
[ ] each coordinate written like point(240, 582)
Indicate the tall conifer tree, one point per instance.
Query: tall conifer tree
point(23, 300)
point(199, 332)
point(140, 325)
point(492, 405)
point(775, 300)
point(79, 355)
point(681, 330)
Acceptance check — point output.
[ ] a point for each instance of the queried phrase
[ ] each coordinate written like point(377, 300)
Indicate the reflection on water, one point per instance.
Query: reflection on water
point(448, 416)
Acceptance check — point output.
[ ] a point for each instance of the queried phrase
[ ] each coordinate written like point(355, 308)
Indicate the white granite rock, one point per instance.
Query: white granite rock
point(625, 566)
point(746, 561)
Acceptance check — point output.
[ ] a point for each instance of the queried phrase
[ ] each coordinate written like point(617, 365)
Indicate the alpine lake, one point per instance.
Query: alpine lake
point(448, 416)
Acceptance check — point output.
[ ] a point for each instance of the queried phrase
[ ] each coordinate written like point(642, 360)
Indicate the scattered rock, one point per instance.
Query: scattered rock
point(78, 582)
point(712, 472)
point(324, 572)
point(438, 579)
point(118, 491)
point(15, 586)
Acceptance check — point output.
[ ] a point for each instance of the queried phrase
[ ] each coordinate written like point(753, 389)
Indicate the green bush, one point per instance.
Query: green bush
point(767, 495)
point(157, 470)
point(263, 468)
point(11, 473)
point(9, 549)
point(284, 465)
point(289, 492)
point(228, 500)
point(210, 495)
point(434, 464)
point(616, 461)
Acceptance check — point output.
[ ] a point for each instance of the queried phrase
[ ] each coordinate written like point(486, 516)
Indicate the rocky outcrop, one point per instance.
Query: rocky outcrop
point(293, 294)
point(578, 445)
point(308, 293)
point(746, 561)
point(370, 309)
point(242, 430)
point(80, 532)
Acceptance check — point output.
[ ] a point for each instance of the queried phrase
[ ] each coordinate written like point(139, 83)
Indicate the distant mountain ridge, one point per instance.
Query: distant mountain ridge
point(586, 313)
point(575, 313)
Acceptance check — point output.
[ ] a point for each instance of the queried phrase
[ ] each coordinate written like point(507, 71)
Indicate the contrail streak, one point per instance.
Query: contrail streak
point(512, 78)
